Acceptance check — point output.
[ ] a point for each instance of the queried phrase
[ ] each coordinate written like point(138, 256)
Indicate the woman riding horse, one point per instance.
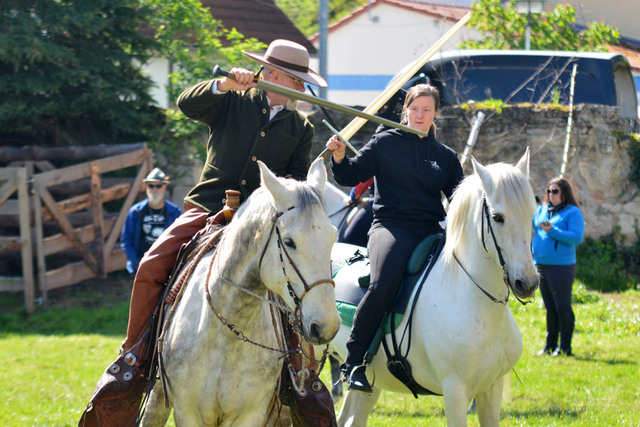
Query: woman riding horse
point(411, 173)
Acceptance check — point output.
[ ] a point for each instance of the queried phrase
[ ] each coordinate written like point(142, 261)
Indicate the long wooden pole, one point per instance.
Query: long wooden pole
point(355, 125)
point(301, 96)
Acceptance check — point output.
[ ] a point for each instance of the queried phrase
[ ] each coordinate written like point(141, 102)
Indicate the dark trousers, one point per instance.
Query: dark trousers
point(389, 252)
point(556, 282)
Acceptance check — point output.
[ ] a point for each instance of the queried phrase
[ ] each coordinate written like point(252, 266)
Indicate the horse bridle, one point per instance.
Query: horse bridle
point(503, 264)
point(281, 248)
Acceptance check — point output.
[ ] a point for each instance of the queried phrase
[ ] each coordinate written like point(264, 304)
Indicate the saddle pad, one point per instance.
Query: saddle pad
point(347, 312)
point(349, 292)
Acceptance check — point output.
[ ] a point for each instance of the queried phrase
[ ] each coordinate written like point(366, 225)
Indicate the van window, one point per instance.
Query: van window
point(480, 79)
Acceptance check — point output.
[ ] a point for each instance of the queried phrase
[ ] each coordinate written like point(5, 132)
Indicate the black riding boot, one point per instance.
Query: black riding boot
point(354, 370)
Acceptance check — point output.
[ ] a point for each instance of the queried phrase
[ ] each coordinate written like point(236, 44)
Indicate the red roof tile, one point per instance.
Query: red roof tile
point(261, 19)
point(441, 11)
point(632, 54)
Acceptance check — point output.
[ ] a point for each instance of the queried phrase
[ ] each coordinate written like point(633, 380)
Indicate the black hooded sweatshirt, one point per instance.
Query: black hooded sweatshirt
point(410, 174)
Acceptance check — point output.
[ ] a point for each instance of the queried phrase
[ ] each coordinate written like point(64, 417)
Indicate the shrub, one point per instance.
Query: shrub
point(605, 264)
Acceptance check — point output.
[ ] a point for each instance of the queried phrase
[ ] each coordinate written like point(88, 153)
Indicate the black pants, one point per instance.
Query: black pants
point(556, 282)
point(389, 252)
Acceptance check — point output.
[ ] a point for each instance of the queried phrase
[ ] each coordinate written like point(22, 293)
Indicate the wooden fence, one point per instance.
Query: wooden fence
point(95, 243)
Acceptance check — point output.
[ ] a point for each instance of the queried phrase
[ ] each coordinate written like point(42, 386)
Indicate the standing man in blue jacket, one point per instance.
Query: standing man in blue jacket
point(148, 219)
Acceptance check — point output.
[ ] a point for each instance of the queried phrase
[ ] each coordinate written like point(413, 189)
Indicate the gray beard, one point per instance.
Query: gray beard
point(155, 199)
point(291, 105)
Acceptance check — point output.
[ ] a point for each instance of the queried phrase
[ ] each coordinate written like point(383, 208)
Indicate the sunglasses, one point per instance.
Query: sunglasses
point(154, 186)
point(554, 191)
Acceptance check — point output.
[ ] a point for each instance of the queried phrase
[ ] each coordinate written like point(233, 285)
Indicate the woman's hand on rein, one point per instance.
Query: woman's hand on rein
point(337, 148)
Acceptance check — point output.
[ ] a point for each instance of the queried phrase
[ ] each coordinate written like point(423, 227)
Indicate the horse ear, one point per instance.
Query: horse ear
point(317, 176)
point(270, 180)
point(523, 163)
point(484, 175)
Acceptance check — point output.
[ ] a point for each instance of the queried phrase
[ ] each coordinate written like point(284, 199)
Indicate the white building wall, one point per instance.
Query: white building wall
point(367, 51)
point(158, 70)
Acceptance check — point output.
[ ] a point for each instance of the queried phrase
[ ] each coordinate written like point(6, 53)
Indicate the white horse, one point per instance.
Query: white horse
point(213, 376)
point(339, 205)
point(464, 338)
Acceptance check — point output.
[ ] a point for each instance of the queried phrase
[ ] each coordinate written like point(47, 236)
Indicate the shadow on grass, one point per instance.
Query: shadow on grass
point(69, 321)
point(96, 306)
point(607, 361)
point(555, 412)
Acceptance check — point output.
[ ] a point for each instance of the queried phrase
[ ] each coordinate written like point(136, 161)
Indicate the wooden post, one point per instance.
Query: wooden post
point(98, 221)
point(25, 240)
point(40, 251)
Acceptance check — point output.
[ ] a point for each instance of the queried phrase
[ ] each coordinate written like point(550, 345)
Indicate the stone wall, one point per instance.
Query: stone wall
point(598, 166)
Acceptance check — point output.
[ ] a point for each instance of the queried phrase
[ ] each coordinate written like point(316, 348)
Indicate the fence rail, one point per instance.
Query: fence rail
point(36, 206)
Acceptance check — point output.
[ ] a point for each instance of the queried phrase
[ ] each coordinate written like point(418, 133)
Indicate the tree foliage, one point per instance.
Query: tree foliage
point(194, 42)
point(304, 13)
point(505, 28)
point(70, 72)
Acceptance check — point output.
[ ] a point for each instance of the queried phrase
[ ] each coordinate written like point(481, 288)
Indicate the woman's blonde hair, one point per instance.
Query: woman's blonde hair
point(416, 92)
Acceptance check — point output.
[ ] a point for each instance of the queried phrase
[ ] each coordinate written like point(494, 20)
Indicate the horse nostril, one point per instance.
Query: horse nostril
point(315, 331)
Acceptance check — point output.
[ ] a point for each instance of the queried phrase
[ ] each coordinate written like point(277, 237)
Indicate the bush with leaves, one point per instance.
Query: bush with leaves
point(634, 157)
point(606, 264)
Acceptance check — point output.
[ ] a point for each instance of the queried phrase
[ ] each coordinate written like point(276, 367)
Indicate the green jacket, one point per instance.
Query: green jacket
point(240, 134)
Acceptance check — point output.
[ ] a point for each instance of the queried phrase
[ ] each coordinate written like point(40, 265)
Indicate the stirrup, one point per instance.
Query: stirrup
point(362, 386)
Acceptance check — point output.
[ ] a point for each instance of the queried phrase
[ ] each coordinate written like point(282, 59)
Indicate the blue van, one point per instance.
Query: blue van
point(532, 77)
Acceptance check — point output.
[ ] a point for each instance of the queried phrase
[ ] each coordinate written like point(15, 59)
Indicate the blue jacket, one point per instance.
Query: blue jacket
point(132, 231)
point(558, 246)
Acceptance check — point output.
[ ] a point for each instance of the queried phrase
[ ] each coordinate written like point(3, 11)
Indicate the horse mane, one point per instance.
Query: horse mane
point(305, 197)
point(254, 215)
point(509, 187)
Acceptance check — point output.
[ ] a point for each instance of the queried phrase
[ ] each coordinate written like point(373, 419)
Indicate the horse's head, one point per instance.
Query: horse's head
point(498, 200)
point(295, 251)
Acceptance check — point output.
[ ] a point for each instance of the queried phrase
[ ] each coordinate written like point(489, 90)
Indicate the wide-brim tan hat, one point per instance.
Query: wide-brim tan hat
point(289, 57)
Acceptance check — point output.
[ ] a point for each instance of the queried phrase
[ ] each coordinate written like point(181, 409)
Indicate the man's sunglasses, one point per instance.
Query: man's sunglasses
point(154, 186)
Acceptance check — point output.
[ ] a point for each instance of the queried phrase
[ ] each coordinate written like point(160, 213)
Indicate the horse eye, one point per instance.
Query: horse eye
point(499, 218)
point(289, 242)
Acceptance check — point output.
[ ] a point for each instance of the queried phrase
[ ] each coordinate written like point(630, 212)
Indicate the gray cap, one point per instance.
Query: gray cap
point(157, 175)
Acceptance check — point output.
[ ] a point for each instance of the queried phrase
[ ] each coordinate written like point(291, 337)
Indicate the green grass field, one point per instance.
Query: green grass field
point(52, 360)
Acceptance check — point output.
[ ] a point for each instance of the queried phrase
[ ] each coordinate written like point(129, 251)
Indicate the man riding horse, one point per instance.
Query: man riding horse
point(245, 125)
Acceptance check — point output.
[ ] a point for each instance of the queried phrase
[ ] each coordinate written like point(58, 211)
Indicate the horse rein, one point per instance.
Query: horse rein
point(295, 322)
point(503, 264)
point(295, 315)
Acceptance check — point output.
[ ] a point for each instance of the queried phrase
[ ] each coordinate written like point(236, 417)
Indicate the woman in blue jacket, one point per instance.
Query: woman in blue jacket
point(558, 227)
